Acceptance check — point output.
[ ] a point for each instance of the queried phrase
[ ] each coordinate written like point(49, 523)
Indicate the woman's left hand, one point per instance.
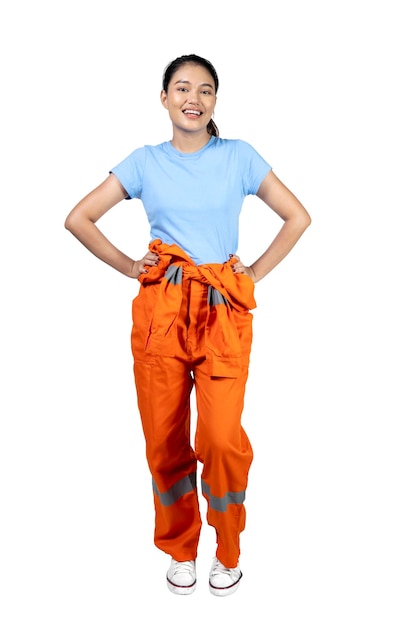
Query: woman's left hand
point(239, 268)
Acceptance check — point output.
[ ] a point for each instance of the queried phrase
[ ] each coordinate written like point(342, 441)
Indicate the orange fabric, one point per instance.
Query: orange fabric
point(223, 350)
point(180, 340)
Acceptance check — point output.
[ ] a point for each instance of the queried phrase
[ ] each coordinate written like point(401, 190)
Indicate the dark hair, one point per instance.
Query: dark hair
point(172, 67)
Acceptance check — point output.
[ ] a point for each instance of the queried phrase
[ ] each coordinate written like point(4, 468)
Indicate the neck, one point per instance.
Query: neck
point(189, 142)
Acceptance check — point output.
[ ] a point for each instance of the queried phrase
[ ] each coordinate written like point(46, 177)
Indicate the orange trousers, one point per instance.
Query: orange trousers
point(192, 328)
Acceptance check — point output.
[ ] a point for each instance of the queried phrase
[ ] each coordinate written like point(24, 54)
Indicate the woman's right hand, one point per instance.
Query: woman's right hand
point(141, 267)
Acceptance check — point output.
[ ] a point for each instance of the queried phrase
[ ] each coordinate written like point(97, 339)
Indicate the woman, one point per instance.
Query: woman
point(191, 318)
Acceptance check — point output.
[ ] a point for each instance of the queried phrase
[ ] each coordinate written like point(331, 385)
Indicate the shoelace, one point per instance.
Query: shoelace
point(184, 566)
point(218, 568)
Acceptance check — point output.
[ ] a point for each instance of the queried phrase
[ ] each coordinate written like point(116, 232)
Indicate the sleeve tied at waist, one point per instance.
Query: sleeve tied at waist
point(228, 293)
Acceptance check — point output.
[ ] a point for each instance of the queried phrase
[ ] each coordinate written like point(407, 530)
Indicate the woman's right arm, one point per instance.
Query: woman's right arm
point(81, 222)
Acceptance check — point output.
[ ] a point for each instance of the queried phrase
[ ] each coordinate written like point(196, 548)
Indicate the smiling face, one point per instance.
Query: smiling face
point(190, 98)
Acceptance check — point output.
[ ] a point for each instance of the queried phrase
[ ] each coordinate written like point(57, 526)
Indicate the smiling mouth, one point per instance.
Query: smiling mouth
point(192, 112)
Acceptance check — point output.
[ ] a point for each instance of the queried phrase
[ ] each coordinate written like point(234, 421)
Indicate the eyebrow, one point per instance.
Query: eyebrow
point(187, 82)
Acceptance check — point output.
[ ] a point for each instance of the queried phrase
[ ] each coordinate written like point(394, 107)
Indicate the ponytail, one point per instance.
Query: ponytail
point(212, 128)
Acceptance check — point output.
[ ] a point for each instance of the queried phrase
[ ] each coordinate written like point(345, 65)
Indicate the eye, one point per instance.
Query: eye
point(206, 92)
point(182, 89)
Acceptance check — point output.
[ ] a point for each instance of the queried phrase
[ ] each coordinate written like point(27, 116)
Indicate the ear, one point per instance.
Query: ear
point(164, 98)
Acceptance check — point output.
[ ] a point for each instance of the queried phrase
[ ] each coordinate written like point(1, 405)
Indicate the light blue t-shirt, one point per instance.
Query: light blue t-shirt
point(194, 199)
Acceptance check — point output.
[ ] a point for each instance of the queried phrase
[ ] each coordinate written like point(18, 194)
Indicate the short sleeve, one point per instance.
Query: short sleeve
point(130, 172)
point(255, 168)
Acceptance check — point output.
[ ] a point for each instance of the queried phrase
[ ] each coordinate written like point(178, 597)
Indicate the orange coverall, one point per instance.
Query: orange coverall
point(192, 326)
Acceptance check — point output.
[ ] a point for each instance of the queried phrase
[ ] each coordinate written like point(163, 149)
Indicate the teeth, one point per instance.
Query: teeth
point(192, 112)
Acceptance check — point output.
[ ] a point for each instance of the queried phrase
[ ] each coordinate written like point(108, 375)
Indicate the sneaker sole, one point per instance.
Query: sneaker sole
point(225, 591)
point(181, 591)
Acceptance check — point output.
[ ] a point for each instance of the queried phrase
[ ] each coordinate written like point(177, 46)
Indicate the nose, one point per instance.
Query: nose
point(193, 96)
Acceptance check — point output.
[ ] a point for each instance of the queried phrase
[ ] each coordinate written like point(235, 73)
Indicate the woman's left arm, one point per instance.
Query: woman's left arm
point(296, 220)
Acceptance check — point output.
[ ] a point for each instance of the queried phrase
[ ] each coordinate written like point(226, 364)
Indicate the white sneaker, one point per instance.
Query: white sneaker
point(181, 577)
point(224, 580)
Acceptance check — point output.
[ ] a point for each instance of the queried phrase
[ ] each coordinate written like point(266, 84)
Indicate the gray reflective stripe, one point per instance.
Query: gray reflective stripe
point(183, 486)
point(174, 274)
point(215, 297)
point(221, 504)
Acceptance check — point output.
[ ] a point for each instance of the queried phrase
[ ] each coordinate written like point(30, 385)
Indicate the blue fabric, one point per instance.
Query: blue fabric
point(194, 200)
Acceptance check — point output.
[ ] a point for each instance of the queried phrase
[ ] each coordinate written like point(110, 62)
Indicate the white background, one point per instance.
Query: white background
point(325, 91)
